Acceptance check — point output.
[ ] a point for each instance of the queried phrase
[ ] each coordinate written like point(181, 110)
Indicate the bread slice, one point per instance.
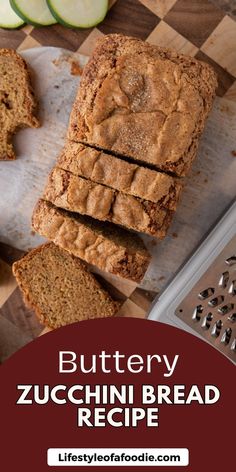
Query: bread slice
point(144, 102)
point(110, 248)
point(17, 102)
point(59, 287)
point(132, 179)
point(79, 195)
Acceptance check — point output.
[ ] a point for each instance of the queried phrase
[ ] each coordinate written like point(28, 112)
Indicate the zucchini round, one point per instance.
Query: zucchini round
point(78, 13)
point(8, 18)
point(33, 12)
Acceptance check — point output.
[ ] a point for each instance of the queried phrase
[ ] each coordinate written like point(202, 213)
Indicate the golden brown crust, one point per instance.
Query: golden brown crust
point(109, 248)
point(59, 287)
point(77, 194)
point(132, 179)
point(144, 102)
point(17, 102)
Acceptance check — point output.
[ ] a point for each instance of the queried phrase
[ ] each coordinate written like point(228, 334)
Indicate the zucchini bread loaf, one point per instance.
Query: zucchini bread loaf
point(59, 287)
point(133, 133)
point(17, 102)
point(144, 102)
point(102, 244)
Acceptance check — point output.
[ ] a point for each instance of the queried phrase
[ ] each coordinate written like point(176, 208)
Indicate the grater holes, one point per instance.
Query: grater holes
point(206, 324)
point(226, 336)
point(196, 316)
point(220, 275)
point(233, 345)
point(231, 260)
point(206, 293)
point(223, 310)
point(217, 328)
point(216, 301)
point(232, 318)
point(224, 279)
point(232, 288)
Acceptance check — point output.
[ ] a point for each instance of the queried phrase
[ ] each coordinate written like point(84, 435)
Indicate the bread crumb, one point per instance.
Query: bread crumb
point(153, 242)
point(224, 108)
point(75, 68)
point(161, 278)
point(233, 153)
point(175, 235)
point(32, 233)
point(205, 181)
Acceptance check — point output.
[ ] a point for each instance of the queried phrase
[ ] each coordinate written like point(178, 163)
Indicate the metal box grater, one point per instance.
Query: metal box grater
point(201, 298)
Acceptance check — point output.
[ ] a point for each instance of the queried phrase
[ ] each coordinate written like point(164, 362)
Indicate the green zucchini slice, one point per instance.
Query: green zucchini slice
point(33, 12)
point(8, 18)
point(78, 13)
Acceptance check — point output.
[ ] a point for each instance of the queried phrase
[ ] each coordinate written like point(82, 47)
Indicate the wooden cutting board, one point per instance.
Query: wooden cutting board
point(201, 28)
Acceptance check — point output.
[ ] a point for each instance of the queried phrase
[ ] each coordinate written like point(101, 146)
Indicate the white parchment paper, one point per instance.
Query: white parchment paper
point(209, 190)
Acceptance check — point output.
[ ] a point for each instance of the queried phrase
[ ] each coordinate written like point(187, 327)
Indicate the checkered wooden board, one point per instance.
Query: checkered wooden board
point(200, 28)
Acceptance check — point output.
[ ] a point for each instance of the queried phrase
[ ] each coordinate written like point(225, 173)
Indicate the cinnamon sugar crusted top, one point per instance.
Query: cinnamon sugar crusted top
point(79, 195)
point(102, 244)
point(144, 102)
point(132, 179)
